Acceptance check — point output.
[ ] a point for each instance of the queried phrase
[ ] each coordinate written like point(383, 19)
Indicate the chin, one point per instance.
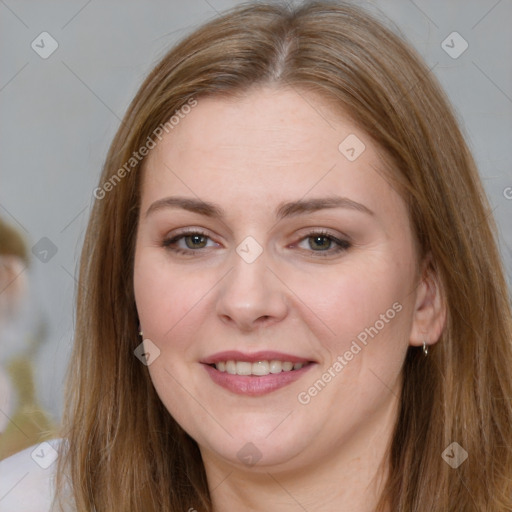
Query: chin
point(276, 450)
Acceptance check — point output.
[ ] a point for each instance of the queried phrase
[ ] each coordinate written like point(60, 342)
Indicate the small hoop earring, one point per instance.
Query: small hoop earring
point(425, 348)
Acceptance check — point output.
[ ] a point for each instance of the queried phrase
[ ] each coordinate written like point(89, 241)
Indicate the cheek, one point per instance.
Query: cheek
point(364, 298)
point(168, 298)
point(368, 310)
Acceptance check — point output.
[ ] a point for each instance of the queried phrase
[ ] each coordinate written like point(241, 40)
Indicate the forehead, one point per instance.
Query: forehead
point(272, 143)
point(267, 125)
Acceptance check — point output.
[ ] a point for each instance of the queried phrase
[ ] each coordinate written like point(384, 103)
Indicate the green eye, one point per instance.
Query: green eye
point(188, 243)
point(317, 243)
point(321, 243)
point(195, 241)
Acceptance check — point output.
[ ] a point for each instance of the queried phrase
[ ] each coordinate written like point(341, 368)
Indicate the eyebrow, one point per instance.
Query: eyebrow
point(288, 209)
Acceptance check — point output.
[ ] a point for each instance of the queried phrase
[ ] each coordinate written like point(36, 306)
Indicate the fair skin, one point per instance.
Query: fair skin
point(299, 297)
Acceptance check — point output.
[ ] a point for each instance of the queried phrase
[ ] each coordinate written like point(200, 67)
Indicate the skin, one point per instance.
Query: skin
point(248, 156)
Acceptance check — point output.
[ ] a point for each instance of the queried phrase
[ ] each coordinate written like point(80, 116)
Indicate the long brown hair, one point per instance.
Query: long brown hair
point(124, 451)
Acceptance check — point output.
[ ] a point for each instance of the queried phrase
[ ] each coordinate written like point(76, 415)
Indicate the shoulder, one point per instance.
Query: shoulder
point(27, 478)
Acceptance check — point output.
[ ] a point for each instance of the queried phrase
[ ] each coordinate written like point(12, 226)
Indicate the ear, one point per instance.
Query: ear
point(429, 317)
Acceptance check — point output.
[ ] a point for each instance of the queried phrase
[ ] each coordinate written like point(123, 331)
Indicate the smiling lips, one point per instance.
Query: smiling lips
point(258, 368)
point(255, 374)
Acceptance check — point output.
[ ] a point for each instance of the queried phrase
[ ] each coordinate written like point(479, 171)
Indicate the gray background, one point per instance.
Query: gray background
point(59, 115)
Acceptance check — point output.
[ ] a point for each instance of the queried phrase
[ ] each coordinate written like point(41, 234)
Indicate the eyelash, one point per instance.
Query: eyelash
point(341, 245)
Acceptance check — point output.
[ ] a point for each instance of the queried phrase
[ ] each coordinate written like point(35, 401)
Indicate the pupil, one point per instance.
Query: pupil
point(193, 241)
point(317, 240)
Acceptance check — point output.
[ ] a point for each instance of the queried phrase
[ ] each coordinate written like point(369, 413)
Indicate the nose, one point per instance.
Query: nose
point(251, 296)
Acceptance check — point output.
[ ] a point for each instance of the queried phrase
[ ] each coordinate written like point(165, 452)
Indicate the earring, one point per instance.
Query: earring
point(140, 331)
point(425, 348)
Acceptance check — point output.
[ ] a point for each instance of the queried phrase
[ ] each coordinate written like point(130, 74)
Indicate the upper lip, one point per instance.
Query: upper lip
point(265, 355)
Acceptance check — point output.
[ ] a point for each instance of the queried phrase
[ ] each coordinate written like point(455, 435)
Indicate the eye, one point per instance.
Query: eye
point(188, 242)
point(324, 243)
point(193, 242)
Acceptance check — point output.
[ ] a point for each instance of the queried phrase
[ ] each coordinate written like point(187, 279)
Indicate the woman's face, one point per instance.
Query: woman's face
point(268, 239)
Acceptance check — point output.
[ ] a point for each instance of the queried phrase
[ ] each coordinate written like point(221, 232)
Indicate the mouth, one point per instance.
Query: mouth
point(255, 374)
point(258, 368)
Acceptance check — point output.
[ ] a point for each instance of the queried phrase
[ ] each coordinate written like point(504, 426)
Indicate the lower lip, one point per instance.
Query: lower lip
point(251, 385)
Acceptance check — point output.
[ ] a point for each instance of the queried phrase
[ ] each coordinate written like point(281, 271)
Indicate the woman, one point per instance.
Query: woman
point(290, 295)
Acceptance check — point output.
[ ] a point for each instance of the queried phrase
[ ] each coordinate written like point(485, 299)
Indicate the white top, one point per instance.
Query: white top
point(27, 479)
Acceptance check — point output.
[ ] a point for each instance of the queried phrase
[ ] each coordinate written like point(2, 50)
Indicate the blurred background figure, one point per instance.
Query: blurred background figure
point(22, 421)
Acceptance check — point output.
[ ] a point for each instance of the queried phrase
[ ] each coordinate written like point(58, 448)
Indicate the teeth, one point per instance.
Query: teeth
point(231, 367)
point(287, 366)
point(243, 368)
point(276, 367)
point(259, 368)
